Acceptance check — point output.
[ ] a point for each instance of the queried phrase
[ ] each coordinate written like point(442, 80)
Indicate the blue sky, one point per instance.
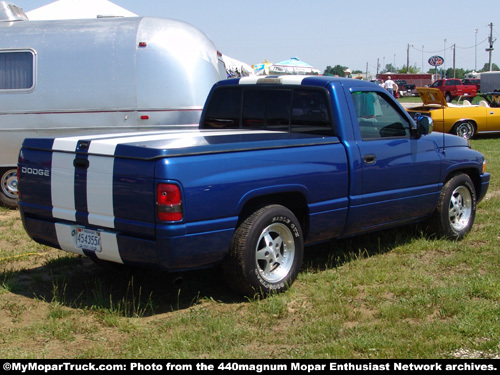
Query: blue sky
point(355, 33)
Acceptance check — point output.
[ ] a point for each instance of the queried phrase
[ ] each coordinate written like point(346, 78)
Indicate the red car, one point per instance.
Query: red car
point(473, 81)
point(453, 88)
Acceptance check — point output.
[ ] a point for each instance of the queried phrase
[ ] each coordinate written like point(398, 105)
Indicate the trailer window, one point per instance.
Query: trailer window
point(16, 70)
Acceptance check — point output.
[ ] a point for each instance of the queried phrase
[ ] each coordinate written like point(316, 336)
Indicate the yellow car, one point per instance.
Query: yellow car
point(465, 120)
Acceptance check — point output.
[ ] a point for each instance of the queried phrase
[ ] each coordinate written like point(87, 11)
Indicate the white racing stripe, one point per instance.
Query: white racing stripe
point(100, 191)
point(109, 245)
point(62, 186)
point(70, 143)
point(108, 146)
point(66, 238)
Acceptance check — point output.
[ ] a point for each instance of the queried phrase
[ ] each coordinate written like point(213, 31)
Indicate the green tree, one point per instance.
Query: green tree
point(389, 68)
point(404, 69)
point(486, 68)
point(337, 70)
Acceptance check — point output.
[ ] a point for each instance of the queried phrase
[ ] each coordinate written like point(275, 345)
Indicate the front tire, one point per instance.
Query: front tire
point(266, 252)
point(456, 208)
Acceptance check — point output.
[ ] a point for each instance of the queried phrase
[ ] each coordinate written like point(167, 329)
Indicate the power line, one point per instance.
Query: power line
point(449, 48)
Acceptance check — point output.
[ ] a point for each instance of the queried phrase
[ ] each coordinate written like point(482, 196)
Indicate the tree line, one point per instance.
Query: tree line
point(339, 70)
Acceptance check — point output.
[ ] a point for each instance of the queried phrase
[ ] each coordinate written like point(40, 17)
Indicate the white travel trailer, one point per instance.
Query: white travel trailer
point(93, 76)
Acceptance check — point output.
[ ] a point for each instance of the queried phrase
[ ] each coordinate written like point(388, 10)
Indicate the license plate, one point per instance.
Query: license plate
point(88, 239)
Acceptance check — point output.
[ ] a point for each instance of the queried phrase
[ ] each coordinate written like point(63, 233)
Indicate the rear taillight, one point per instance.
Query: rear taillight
point(169, 202)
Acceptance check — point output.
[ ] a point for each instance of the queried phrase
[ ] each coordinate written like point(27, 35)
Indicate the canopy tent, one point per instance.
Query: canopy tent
point(78, 9)
point(262, 68)
point(293, 66)
point(236, 68)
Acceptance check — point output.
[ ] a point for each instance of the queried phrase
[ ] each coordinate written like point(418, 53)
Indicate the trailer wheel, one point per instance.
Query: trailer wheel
point(8, 182)
point(456, 208)
point(466, 129)
point(266, 252)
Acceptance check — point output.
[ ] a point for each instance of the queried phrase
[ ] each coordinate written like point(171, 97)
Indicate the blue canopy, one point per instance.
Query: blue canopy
point(293, 66)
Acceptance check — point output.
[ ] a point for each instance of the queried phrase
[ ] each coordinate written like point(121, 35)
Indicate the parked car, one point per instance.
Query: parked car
point(473, 81)
point(465, 120)
point(453, 88)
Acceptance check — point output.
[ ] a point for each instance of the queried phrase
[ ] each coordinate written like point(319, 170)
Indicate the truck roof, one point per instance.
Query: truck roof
point(295, 80)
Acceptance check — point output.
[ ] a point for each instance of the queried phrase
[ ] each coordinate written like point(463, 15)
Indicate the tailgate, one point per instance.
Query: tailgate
point(81, 181)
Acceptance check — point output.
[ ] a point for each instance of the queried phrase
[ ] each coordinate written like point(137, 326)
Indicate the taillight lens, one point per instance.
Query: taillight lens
point(169, 202)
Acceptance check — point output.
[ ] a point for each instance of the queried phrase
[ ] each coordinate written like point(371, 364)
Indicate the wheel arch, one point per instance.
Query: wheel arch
point(473, 174)
point(459, 121)
point(295, 201)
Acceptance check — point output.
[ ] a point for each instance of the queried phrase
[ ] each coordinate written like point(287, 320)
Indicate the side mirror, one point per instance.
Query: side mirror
point(425, 124)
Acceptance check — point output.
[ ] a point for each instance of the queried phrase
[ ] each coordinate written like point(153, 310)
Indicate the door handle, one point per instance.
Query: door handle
point(81, 163)
point(369, 159)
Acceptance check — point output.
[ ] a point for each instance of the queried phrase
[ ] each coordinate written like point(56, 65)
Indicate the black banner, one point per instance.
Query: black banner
point(257, 366)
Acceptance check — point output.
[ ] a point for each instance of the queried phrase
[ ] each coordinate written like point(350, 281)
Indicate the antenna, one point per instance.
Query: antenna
point(444, 135)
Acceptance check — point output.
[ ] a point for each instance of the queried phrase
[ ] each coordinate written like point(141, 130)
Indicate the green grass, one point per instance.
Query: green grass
point(394, 294)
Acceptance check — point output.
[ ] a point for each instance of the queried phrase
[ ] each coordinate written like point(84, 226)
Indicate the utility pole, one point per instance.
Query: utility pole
point(454, 69)
point(491, 40)
point(444, 59)
point(475, 50)
point(408, 59)
point(422, 58)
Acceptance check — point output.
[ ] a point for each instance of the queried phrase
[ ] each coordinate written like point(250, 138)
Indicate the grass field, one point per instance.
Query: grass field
point(394, 294)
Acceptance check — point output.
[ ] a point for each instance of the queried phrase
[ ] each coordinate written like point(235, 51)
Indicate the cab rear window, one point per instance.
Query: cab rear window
point(293, 109)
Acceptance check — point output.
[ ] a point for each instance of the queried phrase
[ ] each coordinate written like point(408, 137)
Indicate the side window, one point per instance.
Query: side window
point(377, 118)
point(16, 70)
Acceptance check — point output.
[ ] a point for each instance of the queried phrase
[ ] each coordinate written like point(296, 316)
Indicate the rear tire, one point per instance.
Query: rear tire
point(456, 208)
point(266, 252)
point(8, 183)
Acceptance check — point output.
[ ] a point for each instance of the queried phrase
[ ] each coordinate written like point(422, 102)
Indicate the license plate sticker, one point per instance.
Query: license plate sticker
point(88, 239)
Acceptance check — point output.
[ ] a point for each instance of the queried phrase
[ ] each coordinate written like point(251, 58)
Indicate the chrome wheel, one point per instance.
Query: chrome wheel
point(460, 208)
point(465, 129)
point(456, 208)
point(9, 183)
point(275, 252)
point(266, 252)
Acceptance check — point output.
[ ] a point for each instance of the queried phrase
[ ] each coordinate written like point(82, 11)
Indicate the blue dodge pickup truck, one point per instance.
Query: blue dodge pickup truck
point(277, 163)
